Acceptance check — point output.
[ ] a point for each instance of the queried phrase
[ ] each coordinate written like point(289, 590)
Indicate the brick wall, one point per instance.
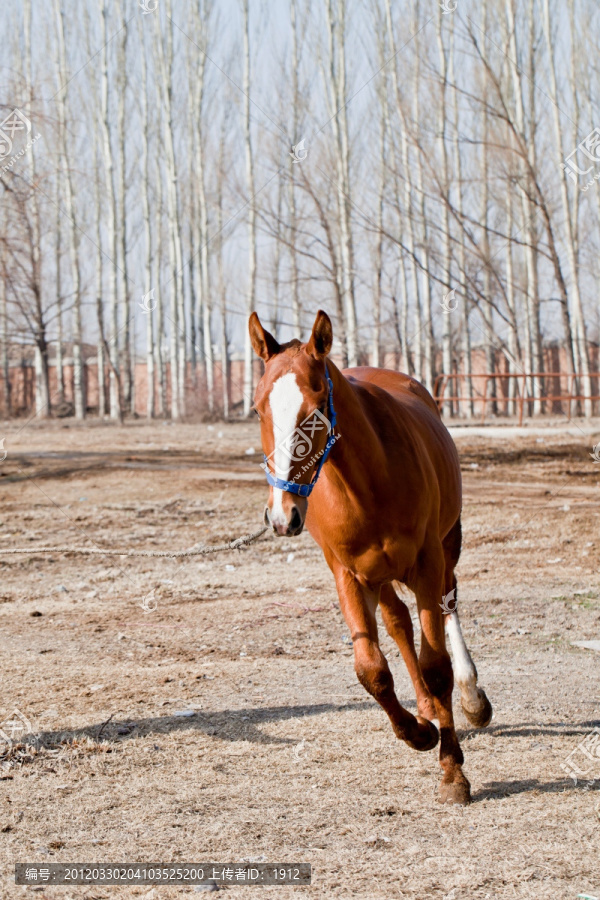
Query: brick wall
point(22, 381)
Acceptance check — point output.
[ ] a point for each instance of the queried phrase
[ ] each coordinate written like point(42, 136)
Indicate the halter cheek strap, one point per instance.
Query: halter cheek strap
point(305, 490)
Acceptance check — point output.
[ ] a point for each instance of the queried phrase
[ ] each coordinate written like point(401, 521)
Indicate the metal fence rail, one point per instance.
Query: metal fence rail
point(512, 393)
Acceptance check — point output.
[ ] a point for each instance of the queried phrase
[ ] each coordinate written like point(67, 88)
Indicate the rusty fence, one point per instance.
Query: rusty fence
point(512, 395)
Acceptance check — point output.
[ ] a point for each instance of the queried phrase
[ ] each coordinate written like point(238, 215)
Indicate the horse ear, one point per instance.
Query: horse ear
point(264, 343)
point(321, 338)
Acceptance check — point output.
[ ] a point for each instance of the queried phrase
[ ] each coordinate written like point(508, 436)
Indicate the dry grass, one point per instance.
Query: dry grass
point(285, 758)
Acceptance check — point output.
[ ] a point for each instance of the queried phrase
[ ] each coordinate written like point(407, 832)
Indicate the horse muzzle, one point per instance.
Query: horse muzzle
point(290, 527)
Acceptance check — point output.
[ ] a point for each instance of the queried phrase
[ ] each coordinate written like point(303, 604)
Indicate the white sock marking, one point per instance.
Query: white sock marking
point(464, 670)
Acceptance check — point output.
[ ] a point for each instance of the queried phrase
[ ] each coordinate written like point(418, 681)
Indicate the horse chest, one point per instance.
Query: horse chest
point(371, 553)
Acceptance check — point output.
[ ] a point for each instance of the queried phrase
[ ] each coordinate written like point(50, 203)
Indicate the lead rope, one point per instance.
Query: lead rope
point(235, 544)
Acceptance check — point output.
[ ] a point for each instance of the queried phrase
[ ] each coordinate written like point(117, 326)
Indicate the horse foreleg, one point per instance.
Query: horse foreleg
point(399, 626)
point(358, 607)
point(437, 671)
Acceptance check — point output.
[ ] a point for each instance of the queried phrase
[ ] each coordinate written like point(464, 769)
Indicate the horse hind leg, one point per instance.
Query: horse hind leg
point(437, 669)
point(473, 699)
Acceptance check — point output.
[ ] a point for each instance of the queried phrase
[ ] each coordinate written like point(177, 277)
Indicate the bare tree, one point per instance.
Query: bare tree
point(111, 208)
point(78, 371)
point(127, 378)
point(38, 318)
point(205, 293)
point(4, 359)
point(408, 210)
point(464, 299)
point(251, 292)
point(568, 223)
point(60, 370)
point(445, 185)
point(150, 304)
point(336, 84)
point(291, 181)
point(101, 345)
point(160, 340)
point(222, 289)
point(458, 166)
point(177, 322)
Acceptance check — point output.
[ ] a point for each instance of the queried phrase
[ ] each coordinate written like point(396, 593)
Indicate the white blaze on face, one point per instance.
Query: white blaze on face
point(285, 400)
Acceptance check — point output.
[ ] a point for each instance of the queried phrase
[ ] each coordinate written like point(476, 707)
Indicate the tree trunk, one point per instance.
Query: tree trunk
point(160, 342)
point(296, 311)
point(42, 387)
point(206, 299)
point(78, 369)
point(100, 349)
point(148, 284)
point(486, 307)
point(427, 326)
point(378, 285)
point(127, 380)
point(251, 292)
point(467, 390)
point(4, 357)
point(277, 250)
point(578, 315)
point(176, 326)
point(336, 28)
point(409, 207)
point(222, 290)
point(60, 370)
point(115, 410)
point(445, 184)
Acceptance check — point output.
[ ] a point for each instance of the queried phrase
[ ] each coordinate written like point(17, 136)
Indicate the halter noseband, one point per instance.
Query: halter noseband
point(305, 490)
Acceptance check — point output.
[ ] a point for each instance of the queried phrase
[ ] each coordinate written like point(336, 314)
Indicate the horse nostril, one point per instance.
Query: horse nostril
point(295, 520)
point(267, 517)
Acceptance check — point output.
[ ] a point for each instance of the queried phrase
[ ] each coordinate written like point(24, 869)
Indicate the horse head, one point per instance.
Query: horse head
point(294, 402)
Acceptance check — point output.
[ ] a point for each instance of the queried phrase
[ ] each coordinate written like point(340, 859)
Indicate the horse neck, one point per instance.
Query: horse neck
point(357, 447)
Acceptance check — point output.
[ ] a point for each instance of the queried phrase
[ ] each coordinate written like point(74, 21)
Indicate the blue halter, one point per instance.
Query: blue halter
point(305, 490)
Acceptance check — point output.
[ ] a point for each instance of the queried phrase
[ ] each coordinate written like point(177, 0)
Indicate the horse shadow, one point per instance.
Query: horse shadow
point(527, 729)
point(244, 725)
point(497, 790)
point(228, 725)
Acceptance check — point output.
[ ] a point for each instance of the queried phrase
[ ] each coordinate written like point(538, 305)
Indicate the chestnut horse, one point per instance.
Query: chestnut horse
point(369, 447)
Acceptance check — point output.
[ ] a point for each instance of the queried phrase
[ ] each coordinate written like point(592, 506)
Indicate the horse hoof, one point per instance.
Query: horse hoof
point(482, 715)
point(455, 792)
point(426, 737)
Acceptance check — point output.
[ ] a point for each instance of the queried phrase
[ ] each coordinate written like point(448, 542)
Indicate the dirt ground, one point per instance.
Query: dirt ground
point(284, 758)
